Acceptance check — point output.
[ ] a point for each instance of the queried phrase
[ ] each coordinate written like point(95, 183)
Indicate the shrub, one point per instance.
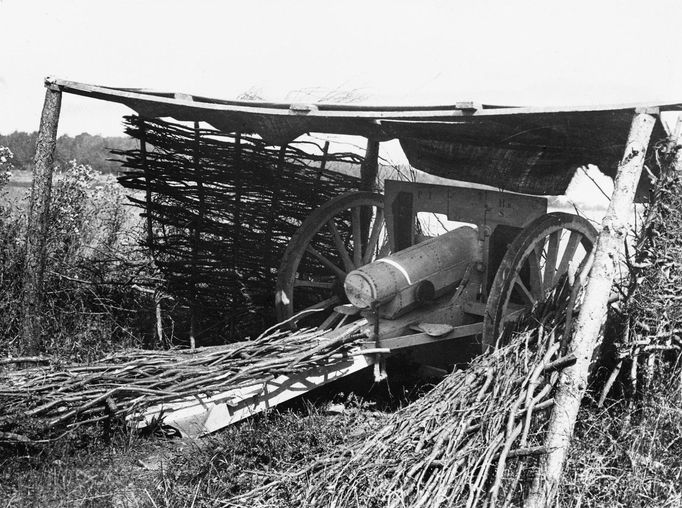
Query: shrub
point(94, 267)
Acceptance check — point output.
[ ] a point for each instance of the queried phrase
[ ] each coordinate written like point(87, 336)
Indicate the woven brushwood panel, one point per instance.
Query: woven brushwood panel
point(223, 208)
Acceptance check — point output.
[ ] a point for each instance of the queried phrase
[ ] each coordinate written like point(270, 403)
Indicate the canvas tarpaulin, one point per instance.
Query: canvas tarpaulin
point(529, 153)
point(529, 150)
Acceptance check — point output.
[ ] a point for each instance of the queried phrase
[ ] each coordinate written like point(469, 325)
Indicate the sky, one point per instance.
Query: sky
point(389, 52)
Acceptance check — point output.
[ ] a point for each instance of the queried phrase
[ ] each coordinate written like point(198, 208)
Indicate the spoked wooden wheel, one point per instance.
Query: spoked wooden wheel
point(343, 234)
point(536, 261)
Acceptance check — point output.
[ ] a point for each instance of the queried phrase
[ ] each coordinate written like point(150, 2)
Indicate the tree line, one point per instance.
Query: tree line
point(93, 150)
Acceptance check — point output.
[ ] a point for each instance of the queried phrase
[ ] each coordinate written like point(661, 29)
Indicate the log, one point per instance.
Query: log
point(573, 379)
point(38, 220)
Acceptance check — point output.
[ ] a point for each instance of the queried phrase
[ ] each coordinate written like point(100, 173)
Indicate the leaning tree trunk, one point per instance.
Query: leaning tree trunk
point(38, 218)
point(573, 380)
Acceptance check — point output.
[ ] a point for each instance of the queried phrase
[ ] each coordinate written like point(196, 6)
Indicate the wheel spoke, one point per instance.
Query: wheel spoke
point(550, 259)
point(569, 252)
point(374, 236)
point(587, 260)
point(302, 283)
point(525, 292)
point(540, 251)
point(340, 247)
point(357, 237)
point(326, 262)
point(535, 275)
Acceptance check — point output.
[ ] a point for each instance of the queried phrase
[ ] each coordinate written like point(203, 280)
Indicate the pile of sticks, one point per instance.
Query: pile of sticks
point(47, 402)
point(651, 336)
point(471, 441)
point(220, 209)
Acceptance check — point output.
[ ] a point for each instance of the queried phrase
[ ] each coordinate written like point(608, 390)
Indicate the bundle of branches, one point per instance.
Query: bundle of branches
point(221, 209)
point(45, 403)
point(470, 441)
point(652, 331)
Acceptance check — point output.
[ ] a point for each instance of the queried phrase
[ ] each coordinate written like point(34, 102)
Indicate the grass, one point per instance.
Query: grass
point(622, 456)
point(83, 471)
point(627, 455)
point(132, 470)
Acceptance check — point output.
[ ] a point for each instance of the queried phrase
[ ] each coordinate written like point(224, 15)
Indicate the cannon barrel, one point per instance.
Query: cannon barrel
point(425, 271)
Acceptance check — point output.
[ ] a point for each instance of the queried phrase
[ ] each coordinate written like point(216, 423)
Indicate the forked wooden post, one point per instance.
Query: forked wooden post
point(38, 219)
point(573, 379)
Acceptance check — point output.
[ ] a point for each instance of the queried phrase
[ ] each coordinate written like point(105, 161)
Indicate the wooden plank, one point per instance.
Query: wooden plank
point(198, 416)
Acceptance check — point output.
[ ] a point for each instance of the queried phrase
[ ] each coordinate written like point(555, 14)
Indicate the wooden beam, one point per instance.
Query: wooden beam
point(38, 220)
point(573, 379)
point(333, 111)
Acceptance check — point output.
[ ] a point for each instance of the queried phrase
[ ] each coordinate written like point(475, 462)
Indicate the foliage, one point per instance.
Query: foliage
point(6, 157)
point(92, 266)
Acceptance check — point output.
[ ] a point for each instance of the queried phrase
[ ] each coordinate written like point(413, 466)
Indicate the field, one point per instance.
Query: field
point(19, 187)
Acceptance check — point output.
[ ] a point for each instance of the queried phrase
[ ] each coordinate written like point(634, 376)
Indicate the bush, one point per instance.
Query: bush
point(94, 267)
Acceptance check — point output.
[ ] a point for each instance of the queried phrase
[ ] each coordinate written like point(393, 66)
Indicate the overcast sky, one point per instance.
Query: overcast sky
point(503, 52)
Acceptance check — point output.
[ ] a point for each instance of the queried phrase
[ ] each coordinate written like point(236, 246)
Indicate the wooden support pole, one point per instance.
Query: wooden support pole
point(237, 199)
point(38, 220)
point(148, 185)
point(573, 379)
point(268, 240)
point(323, 166)
point(196, 236)
point(237, 224)
point(369, 170)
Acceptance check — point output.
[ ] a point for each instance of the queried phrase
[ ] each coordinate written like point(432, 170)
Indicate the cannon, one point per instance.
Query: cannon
point(364, 255)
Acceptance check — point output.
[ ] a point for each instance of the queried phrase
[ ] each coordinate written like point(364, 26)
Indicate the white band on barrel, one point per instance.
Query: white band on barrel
point(397, 266)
